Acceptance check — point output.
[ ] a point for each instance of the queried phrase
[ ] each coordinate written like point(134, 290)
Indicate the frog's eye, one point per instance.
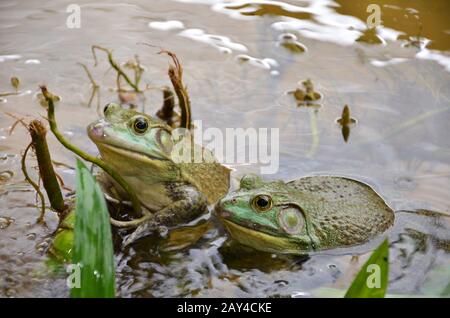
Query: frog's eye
point(291, 220)
point(262, 203)
point(110, 107)
point(140, 125)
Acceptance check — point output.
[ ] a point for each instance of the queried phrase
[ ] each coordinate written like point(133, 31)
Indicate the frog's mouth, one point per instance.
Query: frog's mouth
point(260, 237)
point(97, 135)
point(126, 152)
point(261, 240)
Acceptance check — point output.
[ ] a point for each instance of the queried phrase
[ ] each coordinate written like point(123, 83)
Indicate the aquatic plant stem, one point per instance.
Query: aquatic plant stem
point(95, 86)
point(88, 73)
point(46, 171)
point(166, 112)
point(54, 128)
point(114, 65)
point(176, 77)
point(33, 184)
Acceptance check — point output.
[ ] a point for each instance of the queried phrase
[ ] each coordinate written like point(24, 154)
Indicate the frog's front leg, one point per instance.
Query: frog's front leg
point(187, 204)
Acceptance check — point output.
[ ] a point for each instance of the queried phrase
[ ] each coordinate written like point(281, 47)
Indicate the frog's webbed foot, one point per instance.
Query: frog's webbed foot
point(177, 213)
point(143, 230)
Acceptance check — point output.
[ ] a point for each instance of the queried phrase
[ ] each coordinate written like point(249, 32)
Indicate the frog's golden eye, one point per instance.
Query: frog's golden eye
point(140, 125)
point(261, 203)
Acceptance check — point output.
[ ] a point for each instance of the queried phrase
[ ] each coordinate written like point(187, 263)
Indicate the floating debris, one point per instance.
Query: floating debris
point(413, 41)
point(346, 121)
point(290, 43)
point(266, 63)
point(416, 41)
point(5, 222)
point(370, 36)
point(15, 83)
point(306, 96)
point(5, 176)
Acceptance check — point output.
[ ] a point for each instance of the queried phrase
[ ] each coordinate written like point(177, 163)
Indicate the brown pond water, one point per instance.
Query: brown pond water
point(397, 89)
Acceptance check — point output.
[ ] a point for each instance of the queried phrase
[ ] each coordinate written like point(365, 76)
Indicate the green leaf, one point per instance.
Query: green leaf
point(93, 249)
point(372, 279)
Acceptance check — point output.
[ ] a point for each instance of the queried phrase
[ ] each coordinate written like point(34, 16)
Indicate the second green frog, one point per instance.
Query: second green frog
point(307, 214)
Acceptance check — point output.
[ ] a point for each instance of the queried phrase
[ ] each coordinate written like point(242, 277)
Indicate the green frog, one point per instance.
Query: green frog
point(174, 178)
point(307, 214)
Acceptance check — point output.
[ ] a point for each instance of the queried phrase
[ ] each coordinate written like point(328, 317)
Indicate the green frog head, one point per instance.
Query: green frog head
point(128, 134)
point(262, 215)
point(304, 215)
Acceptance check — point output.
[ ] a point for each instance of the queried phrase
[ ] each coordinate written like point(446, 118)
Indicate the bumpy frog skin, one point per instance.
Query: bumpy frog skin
point(308, 214)
point(140, 149)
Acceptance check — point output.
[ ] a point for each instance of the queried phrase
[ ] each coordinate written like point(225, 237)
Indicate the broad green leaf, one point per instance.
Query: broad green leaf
point(93, 249)
point(372, 279)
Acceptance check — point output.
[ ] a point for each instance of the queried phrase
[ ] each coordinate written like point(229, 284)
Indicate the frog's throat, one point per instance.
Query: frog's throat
point(262, 241)
point(126, 153)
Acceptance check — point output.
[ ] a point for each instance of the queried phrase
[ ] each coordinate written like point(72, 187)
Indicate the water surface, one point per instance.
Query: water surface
point(238, 74)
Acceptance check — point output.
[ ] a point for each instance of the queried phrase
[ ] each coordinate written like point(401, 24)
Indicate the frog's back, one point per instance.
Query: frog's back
point(343, 211)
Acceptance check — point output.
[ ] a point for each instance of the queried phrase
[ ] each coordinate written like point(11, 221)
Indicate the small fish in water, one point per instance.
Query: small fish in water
point(346, 121)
